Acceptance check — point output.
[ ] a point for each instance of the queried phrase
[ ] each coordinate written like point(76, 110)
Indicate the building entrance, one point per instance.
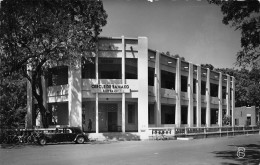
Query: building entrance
point(112, 121)
point(108, 121)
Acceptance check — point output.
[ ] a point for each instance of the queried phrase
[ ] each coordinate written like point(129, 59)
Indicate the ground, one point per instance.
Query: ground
point(198, 151)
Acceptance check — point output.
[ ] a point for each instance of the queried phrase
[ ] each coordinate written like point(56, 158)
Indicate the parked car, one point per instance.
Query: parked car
point(66, 134)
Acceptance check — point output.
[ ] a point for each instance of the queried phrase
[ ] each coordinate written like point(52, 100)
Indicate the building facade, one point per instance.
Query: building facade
point(126, 87)
point(245, 116)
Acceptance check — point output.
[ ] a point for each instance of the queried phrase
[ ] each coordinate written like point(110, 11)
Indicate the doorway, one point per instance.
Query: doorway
point(112, 121)
point(108, 113)
point(248, 120)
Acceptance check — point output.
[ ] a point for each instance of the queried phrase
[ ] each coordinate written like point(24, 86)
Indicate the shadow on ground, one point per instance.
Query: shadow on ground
point(18, 146)
point(250, 156)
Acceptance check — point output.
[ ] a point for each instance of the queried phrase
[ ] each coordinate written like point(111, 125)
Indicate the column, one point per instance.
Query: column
point(190, 95)
point(75, 95)
point(97, 98)
point(29, 115)
point(143, 87)
point(208, 99)
point(123, 82)
point(228, 96)
point(178, 93)
point(157, 86)
point(233, 100)
point(198, 94)
point(220, 104)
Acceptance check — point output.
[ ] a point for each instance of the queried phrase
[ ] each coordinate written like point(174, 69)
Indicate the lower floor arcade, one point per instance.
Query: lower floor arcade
point(110, 118)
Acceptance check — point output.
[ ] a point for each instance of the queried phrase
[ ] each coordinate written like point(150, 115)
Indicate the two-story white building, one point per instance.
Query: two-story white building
point(126, 87)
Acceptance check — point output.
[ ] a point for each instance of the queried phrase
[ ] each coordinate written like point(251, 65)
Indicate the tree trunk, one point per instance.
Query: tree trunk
point(38, 95)
point(44, 116)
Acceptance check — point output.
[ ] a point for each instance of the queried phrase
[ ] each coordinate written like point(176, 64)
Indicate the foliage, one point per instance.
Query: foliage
point(13, 101)
point(226, 120)
point(175, 56)
point(247, 87)
point(243, 16)
point(211, 67)
point(46, 33)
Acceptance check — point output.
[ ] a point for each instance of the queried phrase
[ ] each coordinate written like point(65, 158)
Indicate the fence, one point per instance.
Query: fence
point(173, 132)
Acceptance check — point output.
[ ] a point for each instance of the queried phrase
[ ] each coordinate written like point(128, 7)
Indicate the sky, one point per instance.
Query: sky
point(191, 28)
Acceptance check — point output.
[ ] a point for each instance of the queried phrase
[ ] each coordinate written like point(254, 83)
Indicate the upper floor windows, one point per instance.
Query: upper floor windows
point(203, 87)
point(213, 90)
point(167, 80)
point(131, 68)
point(88, 68)
point(58, 76)
point(151, 72)
point(109, 68)
point(184, 83)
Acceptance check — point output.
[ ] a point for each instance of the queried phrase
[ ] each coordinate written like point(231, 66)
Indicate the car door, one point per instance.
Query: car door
point(59, 135)
point(71, 134)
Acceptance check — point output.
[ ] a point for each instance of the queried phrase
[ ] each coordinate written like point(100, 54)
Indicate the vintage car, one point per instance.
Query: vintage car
point(66, 134)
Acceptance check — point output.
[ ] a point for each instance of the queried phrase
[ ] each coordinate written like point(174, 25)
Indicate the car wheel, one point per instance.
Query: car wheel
point(42, 141)
point(80, 140)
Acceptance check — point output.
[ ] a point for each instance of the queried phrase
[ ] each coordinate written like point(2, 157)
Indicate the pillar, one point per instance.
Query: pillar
point(208, 99)
point(178, 93)
point(220, 104)
point(157, 86)
point(97, 98)
point(75, 95)
point(190, 95)
point(198, 94)
point(233, 100)
point(143, 87)
point(228, 96)
point(123, 82)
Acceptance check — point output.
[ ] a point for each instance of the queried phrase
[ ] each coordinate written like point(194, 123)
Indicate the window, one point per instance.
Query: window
point(131, 113)
point(184, 114)
point(58, 113)
point(168, 114)
point(194, 115)
point(224, 92)
point(151, 76)
point(151, 114)
point(214, 116)
point(131, 68)
point(184, 83)
point(167, 80)
point(194, 86)
point(203, 116)
point(236, 121)
point(213, 90)
point(110, 68)
point(203, 87)
point(58, 76)
point(88, 68)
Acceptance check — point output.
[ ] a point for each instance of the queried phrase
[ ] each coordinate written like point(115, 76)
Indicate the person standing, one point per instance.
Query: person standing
point(89, 125)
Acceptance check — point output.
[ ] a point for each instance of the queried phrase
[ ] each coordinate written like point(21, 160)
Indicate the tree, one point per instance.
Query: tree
point(13, 101)
point(175, 56)
point(247, 87)
point(211, 67)
point(243, 16)
point(36, 35)
point(226, 120)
